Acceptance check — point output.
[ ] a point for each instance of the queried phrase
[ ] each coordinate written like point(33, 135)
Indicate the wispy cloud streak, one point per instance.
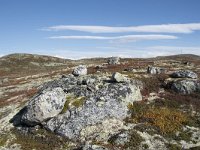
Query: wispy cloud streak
point(163, 28)
point(126, 38)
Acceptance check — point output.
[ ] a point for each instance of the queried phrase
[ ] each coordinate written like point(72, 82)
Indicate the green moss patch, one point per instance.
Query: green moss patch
point(3, 140)
point(39, 140)
point(134, 141)
point(73, 101)
point(164, 119)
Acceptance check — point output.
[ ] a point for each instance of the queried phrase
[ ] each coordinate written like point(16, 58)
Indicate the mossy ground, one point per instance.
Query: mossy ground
point(165, 119)
point(133, 143)
point(3, 140)
point(39, 140)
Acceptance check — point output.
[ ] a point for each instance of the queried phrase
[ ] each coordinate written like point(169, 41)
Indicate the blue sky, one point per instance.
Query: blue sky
point(93, 28)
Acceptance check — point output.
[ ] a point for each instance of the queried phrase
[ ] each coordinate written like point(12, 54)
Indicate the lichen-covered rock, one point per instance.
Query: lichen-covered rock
point(91, 102)
point(184, 74)
point(155, 70)
point(113, 60)
point(185, 86)
point(44, 105)
point(80, 70)
point(121, 138)
point(109, 101)
point(101, 132)
point(118, 77)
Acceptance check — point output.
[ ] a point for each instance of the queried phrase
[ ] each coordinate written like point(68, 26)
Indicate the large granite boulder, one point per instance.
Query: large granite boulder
point(184, 74)
point(80, 70)
point(91, 105)
point(113, 60)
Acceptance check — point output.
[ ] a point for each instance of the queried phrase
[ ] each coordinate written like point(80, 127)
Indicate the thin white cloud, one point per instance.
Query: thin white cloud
point(163, 28)
point(126, 38)
point(178, 49)
point(137, 52)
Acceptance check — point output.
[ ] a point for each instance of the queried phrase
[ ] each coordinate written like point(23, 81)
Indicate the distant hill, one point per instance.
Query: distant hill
point(31, 63)
point(33, 58)
point(180, 57)
point(28, 64)
point(25, 64)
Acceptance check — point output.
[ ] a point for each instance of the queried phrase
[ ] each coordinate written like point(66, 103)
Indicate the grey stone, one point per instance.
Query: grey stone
point(80, 70)
point(43, 106)
point(186, 86)
point(93, 147)
point(113, 60)
point(118, 77)
point(184, 74)
point(155, 70)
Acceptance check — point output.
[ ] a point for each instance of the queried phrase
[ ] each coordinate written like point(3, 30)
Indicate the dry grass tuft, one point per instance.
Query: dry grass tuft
point(166, 120)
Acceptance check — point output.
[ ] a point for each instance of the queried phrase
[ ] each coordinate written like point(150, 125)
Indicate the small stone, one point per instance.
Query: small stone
point(185, 86)
point(80, 70)
point(113, 60)
point(184, 74)
point(155, 70)
point(118, 77)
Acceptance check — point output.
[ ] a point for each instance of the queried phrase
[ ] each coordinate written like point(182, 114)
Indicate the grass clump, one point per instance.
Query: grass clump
point(166, 120)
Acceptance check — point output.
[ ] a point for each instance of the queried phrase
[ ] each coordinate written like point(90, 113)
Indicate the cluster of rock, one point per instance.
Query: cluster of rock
point(185, 81)
point(81, 107)
point(155, 70)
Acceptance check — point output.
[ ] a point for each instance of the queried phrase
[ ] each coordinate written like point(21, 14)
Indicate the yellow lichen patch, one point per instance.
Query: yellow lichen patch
point(78, 102)
point(73, 101)
point(165, 119)
point(66, 107)
point(129, 74)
